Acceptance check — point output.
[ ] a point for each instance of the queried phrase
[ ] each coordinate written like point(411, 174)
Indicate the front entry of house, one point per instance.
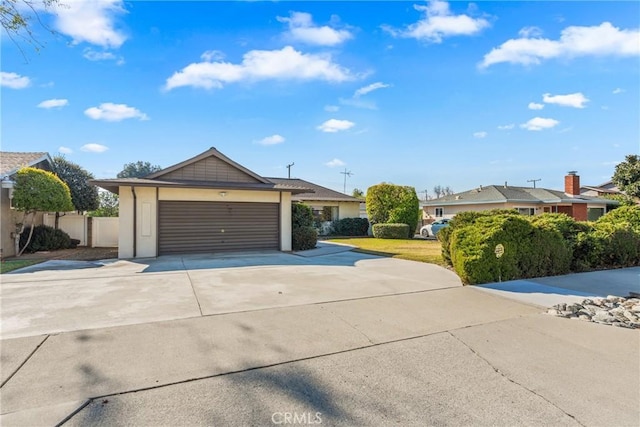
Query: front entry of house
point(202, 226)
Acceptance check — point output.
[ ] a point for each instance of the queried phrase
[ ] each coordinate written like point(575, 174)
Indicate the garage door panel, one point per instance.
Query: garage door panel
point(188, 227)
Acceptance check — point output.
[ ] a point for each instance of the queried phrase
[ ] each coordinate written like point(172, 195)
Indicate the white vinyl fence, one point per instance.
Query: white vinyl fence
point(103, 232)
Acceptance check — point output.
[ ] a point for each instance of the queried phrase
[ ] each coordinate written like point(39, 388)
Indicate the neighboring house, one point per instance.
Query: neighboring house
point(10, 163)
point(526, 200)
point(600, 190)
point(208, 203)
point(323, 199)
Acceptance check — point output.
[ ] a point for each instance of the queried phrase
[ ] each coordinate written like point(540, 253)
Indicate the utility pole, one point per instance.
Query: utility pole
point(289, 169)
point(345, 173)
point(534, 181)
point(426, 194)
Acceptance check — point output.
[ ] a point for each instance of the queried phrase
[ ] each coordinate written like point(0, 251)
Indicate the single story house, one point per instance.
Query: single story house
point(208, 203)
point(600, 190)
point(526, 200)
point(322, 199)
point(10, 163)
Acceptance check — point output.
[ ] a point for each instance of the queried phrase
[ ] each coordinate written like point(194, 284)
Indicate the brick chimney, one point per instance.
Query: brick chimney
point(572, 183)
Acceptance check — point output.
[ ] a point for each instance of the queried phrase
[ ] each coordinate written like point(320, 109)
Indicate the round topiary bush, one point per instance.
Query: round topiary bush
point(303, 238)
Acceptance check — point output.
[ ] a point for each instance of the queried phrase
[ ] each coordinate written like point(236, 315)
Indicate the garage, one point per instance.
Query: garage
point(209, 227)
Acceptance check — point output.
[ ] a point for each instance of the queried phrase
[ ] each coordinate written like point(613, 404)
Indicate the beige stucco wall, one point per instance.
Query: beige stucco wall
point(147, 214)
point(285, 222)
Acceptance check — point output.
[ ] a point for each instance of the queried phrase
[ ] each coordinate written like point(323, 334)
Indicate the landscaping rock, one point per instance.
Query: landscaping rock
point(613, 310)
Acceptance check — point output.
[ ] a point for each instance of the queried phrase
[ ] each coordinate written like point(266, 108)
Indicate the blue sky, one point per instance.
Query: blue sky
point(416, 93)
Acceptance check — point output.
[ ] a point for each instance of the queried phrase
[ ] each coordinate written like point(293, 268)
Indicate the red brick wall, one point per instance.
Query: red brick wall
point(565, 210)
point(580, 211)
point(572, 184)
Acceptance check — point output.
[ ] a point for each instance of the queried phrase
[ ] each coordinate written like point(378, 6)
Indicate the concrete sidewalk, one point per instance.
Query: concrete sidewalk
point(454, 356)
point(570, 288)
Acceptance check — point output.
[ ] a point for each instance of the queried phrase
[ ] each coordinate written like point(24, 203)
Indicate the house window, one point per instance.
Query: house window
point(526, 211)
point(550, 209)
point(439, 212)
point(594, 213)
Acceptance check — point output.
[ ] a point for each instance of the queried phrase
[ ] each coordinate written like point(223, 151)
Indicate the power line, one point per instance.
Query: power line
point(346, 173)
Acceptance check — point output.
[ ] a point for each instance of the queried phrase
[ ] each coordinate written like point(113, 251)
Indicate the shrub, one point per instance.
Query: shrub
point(528, 251)
point(390, 231)
point(301, 215)
point(303, 238)
point(460, 220)
point(393, 204)
point(629, 215)
point(45, 238)
point(303, 235)
point(351, 227)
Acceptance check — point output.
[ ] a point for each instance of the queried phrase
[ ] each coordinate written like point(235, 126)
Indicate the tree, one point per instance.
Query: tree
point(627, 175)
point(84, 196)
point(138, 170)
point(109, 205)
point(389, 203)
point(36, 190)
point(358, 193)
point(16, 17)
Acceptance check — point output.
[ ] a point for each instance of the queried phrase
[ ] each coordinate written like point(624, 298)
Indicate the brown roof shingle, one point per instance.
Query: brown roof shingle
point(10, 161)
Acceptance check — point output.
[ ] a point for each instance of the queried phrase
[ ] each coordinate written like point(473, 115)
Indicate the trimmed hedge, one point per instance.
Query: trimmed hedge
point(528, 251)
point(541, 245)
point(46, 238)
point(350, 227)
point(393, 204)
point(390, 231)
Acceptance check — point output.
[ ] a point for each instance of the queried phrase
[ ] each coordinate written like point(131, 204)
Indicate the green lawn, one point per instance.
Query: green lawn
point(411, 249)
point(7, 266)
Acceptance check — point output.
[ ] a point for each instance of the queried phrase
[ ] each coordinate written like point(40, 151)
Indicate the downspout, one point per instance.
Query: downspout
point(135, 220)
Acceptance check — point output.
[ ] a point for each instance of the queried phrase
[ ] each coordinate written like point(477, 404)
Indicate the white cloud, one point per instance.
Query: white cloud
point(65, 150)
point(91, 21)
point(335, 163)
point(94, 148)
point(528, 32)
point(286, 63)
point(14, 80)
point(438, 22)
point(539, 123)
point(114, 112)
point(334, 125)
point(535, 106)
point(302, 29)
point(93, 55)
point(331, 108)
point(506, 127)
point(53, 103)
point(370, 88)
point(575, 100)
point(212, 55)
point(480, 135)
point(618, 90)
point(601, 40)
point(271, 140)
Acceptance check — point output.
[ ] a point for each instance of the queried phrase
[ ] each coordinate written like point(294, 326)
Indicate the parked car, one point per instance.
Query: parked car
point(430, 230)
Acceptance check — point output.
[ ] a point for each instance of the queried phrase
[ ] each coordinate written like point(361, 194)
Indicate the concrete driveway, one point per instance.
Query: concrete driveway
point(337, 339)
point(61, 296)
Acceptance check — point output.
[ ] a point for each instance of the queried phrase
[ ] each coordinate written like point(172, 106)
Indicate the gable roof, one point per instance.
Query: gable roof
point(507, 194)
point(10, 161)
point(318, 193)
point(212, 153)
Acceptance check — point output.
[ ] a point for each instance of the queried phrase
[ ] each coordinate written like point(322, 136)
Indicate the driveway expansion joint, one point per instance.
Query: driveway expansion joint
point(502, 374)
point(192, 288)
point(46, 337)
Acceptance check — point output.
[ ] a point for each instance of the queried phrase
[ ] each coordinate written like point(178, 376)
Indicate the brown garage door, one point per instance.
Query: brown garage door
point(190, 227)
